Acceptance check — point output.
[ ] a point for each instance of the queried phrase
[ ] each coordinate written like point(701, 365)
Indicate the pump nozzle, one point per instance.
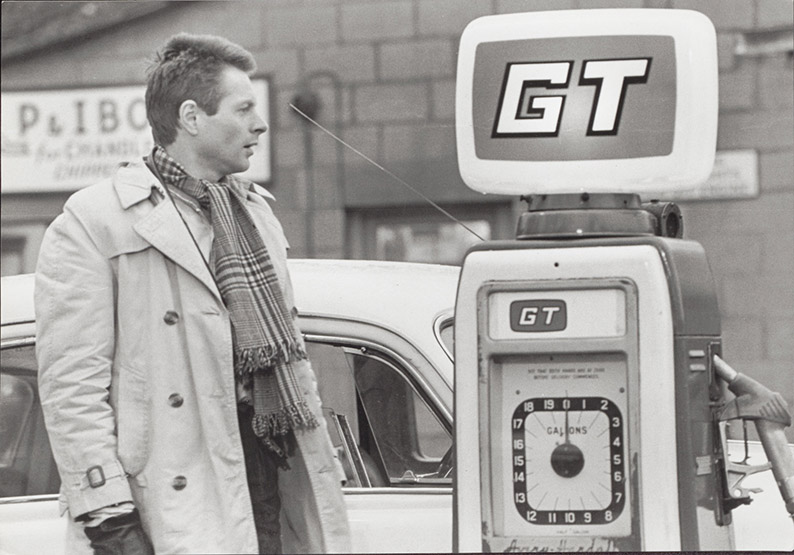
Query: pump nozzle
point(769, 411)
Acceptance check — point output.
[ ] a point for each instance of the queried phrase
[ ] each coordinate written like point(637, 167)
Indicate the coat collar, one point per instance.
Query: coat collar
point(162, 226)
point(134, 182)
point(261, 191)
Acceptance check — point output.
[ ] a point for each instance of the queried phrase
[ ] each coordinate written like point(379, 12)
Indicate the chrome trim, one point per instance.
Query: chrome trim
point(21, 342)
point(28, 499)
point(351, 320)
point(18, 322)
point(420, 380)
point(349, 445)
point(398, 491)
point(438, 490)
point(421, 349)
point(438, 323)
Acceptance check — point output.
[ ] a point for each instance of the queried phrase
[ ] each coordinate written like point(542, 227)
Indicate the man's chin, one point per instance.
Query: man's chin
point(242, 167)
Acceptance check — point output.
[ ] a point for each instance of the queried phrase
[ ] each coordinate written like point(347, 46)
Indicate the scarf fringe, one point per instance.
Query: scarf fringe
point(265, 357)
point(279, 423)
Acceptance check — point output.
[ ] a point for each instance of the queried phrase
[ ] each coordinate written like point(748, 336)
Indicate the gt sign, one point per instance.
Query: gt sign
point(587, 100)
point(520, 114)
point(538, 315)
point(604, 106)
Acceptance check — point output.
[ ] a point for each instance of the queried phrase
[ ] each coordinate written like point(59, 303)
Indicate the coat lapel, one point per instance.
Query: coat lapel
point(162, 226)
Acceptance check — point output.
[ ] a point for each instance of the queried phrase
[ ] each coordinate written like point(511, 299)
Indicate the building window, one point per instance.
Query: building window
point(422, 234)
point(440, 242)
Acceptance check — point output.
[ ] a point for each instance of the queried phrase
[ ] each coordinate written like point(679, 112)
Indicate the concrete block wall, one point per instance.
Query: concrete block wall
point(750, 243)
point(402, 109)
point(385, 74)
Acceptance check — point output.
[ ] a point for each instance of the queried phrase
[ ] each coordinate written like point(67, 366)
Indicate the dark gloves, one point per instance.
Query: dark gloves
point(120, 535)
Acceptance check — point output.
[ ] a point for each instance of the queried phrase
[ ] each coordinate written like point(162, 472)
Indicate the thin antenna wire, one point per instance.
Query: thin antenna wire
point(390, 174)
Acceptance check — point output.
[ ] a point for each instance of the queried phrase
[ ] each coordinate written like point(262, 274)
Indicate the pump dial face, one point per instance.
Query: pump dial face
point(568, 460)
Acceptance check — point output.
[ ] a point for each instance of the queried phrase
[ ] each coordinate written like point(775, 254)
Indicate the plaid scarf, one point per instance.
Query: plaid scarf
point(266, 342)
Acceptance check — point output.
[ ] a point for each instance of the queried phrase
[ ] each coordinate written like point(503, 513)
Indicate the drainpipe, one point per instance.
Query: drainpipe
point(308, 102)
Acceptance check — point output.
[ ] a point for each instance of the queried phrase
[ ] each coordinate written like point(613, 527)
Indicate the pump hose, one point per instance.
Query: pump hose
point(770, 423)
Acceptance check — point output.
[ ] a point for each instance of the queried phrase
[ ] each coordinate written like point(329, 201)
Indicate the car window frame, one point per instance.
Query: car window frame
point(427, 380)
point(442, 323)
point(421, 371)
point(402, 367)
point(13, 335)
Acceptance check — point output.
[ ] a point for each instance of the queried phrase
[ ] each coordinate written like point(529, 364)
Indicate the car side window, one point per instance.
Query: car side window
point(26, 463)
point(401, 440)
point(367, 397)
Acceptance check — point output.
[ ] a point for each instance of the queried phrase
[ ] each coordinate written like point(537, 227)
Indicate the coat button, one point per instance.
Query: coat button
point(171, 317)
point(179, 483)
point(175, 400)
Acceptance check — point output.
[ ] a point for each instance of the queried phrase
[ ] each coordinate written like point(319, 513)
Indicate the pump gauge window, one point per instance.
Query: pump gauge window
point(568, 461)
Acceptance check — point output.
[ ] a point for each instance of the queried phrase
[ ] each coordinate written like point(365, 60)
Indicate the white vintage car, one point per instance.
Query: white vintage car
point(380, 338)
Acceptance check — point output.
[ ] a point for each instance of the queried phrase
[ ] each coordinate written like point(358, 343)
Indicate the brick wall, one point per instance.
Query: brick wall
point(385, 73)
point(750, 243)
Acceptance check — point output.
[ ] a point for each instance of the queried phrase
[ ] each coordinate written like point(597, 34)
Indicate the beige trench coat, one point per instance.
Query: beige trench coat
point(135, 358)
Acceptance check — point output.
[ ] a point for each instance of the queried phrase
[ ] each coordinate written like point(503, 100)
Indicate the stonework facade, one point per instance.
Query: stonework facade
point(384, 74)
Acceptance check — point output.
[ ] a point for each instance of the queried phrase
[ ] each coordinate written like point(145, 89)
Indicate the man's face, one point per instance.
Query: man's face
point(226, 139)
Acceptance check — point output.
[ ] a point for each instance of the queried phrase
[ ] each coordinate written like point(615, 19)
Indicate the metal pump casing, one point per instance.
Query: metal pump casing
point(586, 404)
point(669, 426)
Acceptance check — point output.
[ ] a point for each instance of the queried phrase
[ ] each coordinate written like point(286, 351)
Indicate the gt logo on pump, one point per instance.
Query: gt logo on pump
point(538, 315)
point(523, 111)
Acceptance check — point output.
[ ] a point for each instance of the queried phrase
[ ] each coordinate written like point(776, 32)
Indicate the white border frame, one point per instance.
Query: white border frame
point(692, 156)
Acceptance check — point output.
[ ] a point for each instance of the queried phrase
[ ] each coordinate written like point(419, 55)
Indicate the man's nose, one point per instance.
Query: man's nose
point(260, 126)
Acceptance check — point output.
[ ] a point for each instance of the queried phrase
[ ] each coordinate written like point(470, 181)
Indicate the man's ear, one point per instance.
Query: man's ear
point(188, 112)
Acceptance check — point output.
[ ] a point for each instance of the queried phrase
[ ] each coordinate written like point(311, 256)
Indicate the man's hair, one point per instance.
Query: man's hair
point(189, 67)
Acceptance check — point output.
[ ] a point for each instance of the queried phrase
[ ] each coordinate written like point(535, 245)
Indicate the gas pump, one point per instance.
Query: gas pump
point(590, 392)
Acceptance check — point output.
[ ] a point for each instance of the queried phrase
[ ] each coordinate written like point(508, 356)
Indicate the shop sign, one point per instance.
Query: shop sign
point(63, 140)
point(734, 176)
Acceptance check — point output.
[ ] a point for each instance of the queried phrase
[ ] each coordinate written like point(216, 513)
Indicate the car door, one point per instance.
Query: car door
point(29, 481)
point(392, 430)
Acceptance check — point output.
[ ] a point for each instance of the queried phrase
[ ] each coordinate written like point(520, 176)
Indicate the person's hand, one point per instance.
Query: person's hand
point(120, 535)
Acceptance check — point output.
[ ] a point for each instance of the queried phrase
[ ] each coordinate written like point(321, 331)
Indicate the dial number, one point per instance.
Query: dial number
point(574, 444)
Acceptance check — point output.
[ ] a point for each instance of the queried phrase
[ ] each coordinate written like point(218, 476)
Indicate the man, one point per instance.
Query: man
point(181, 409)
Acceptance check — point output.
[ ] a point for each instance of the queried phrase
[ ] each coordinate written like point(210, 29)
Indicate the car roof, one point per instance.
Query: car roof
point(409, 299)
point(393, 295)
point(397, 293)
point(16, 299)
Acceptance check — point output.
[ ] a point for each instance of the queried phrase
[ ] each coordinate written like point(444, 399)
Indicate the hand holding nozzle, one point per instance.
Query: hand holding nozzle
point(769, 411)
